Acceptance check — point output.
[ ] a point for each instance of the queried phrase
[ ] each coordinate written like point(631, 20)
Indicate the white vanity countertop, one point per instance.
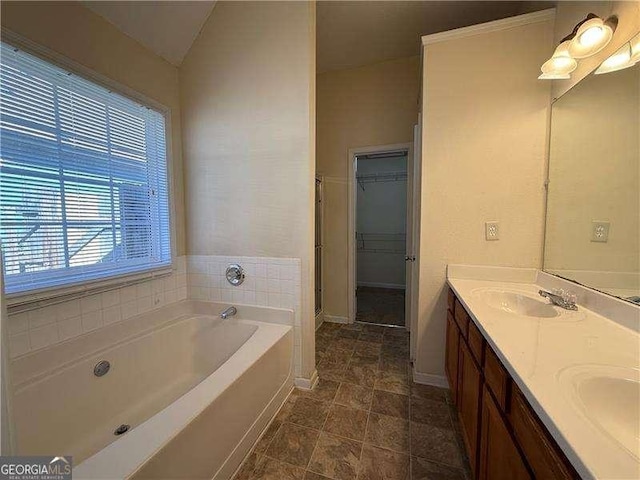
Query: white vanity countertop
point(550, 359)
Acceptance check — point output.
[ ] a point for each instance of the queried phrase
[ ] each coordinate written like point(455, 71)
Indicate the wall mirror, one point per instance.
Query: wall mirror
point(593, 200)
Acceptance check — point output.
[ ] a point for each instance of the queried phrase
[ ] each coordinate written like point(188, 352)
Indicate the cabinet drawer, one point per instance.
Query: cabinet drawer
point(462, 318)
point(496, 377)
point(476, 343)
point(451, 300)
point(542, 453)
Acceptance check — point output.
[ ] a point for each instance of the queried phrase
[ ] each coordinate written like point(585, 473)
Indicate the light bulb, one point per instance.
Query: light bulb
point(620, 60)
point(635, 49)
point(560, 65)
point(592, 36)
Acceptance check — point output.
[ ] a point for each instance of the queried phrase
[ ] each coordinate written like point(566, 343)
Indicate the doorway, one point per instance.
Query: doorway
point(381, 228)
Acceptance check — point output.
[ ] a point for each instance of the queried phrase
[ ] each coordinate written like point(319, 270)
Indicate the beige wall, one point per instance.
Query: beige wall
point(366, 106)
point(570, 13)
point(594, 168)
point(483, 158)
point(247, 91)
point(69, 29)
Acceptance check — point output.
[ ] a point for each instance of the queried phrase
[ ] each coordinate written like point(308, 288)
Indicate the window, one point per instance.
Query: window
point(83, 179)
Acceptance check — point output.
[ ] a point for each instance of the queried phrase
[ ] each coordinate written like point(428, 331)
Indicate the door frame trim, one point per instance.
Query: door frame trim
point(351, 231)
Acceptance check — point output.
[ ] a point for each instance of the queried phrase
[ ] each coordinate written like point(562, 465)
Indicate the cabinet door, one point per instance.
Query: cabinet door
point(451, 353)
point(543, 456)
point(499, 456)
point(469, 393)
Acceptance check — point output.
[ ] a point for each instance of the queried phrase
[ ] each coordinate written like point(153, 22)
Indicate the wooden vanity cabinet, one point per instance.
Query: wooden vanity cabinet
point(504, 438)
point(499, 455)
point(545, 459)
point(469, 391)
point(451, 361)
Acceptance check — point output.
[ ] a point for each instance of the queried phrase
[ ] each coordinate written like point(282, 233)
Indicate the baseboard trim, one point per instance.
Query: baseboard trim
point(430, 379)
point(319, 320)
point(336, 319)
point(392, 286)
point(307, 383)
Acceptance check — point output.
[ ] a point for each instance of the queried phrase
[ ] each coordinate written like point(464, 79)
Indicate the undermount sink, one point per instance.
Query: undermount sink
point(609, 397)
point(516, 303)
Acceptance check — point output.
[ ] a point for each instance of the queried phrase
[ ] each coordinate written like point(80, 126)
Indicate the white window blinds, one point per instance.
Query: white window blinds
point(83, 179)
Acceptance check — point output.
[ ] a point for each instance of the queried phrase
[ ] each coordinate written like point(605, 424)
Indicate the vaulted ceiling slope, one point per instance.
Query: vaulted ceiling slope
point(166, 28)
point(349, 33)
point(355, 33)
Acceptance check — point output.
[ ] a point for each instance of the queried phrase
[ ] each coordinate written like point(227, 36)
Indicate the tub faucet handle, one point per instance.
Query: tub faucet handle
point(228, 312)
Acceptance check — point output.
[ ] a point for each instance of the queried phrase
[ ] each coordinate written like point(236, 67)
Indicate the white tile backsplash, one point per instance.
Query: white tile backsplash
point(56, 323)
point(269, 282)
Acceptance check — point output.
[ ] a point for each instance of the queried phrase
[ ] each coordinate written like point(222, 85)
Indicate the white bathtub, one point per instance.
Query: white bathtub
point(196, 390)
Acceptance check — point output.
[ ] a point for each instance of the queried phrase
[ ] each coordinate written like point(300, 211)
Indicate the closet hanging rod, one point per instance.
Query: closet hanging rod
point(394, 154)
point(381, 177)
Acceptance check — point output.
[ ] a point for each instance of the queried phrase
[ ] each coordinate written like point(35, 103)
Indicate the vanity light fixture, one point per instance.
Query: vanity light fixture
point(591, 35)
point(560, 65)
point(626, 56)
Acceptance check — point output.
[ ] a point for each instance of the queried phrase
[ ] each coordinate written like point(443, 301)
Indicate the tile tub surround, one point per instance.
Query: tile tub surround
point(350, 427)
point(48, 325)
point(541, 353)
point(269, 282)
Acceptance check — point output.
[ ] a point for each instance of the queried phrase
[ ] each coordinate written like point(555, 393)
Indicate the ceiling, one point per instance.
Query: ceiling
point(166, 28)
point(356, 33)
point(349, 33)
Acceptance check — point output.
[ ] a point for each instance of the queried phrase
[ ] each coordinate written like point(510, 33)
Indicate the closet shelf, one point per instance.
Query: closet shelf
point(380, 177)
point(392, 243)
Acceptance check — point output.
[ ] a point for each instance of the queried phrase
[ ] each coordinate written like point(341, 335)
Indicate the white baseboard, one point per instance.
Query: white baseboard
point(307, 383)
point(336, 319)
point(430, 379)
point(394, 286)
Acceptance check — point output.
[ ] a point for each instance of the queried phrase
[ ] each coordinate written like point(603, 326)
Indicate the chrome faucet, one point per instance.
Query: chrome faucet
point(560, 298)
point(228, 312)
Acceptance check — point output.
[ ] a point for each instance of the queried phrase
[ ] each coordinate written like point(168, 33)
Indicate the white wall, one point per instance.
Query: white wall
point(248, 103)
point(484, 140)
point(382, 209)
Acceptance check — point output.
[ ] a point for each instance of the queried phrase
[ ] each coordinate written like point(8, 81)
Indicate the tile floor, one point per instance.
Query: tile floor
point(380, 305)
point(365, 420)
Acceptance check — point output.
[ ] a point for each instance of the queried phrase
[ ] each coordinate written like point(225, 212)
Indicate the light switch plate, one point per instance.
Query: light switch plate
point(600, 231)
point(491, 231)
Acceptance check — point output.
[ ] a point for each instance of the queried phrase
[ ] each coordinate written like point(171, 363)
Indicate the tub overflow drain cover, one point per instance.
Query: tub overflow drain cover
point(124, 428)
point(101, 368)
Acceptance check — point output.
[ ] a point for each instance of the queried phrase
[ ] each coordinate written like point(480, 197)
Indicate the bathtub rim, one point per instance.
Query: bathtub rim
point(125, 456)
point(32, 367)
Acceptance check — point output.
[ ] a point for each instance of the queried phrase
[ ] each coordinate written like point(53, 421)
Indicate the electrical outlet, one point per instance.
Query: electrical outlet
point(600, 231)
point(491, 231)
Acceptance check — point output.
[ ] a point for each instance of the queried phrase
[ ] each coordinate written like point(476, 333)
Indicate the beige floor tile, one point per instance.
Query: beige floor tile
point(336, 457)
point(379, 464)
point(347, 422)
point(293, 444)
